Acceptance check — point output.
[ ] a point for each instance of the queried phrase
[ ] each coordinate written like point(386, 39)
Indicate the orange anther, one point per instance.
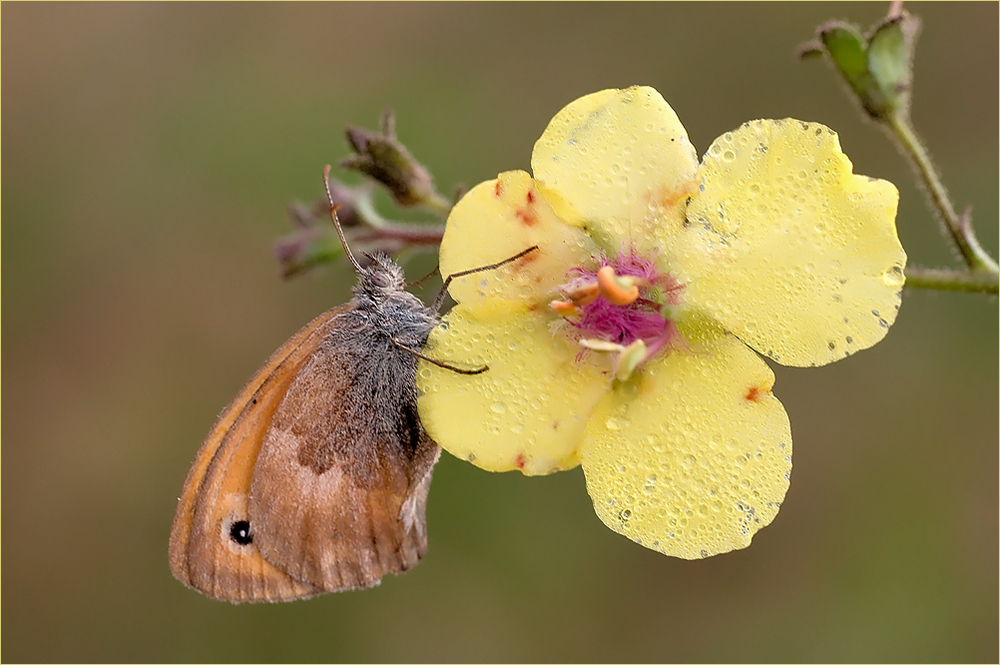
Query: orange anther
point(613, 289)
point(564, 307)
point(584, 295)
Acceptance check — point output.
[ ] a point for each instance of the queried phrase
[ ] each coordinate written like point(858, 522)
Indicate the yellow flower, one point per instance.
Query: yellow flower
point(624, 342)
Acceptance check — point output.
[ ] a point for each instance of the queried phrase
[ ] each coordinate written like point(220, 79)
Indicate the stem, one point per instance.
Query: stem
point(409, 234)
point(952, 280)
point(960, 228)
point(437, 204)
point(382, 228)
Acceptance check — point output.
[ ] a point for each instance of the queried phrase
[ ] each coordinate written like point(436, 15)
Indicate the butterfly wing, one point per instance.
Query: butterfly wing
point(348, 440)
point(211, 544)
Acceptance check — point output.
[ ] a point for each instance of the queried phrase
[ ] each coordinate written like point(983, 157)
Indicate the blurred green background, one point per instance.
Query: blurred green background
point(149, 151)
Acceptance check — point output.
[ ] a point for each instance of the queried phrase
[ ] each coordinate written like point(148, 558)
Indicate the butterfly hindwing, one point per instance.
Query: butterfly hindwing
point(359, 463)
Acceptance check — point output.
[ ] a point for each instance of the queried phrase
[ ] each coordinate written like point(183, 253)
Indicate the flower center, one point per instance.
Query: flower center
point(624, 307)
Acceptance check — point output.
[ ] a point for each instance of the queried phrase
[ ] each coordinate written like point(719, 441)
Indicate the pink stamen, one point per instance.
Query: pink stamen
point(627, 310)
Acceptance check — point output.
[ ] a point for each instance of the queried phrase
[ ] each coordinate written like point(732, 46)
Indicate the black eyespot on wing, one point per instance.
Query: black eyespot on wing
point(240, 533)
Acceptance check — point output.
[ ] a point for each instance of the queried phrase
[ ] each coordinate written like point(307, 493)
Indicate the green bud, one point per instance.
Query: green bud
point(383, 158)
point(878, 68)
point(890, 59)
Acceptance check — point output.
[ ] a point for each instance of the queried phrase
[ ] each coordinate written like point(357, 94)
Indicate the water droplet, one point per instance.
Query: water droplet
point(616, 423)
point(893, 277)
point(498, 407)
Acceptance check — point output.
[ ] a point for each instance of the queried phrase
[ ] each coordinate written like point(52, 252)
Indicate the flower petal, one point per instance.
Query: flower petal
point(528, 410)
point(787, 248)
point(621, 163)
point(496, 220)
point(692, 456)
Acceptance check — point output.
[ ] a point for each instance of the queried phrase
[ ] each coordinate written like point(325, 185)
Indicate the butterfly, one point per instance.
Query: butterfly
point(315, 477)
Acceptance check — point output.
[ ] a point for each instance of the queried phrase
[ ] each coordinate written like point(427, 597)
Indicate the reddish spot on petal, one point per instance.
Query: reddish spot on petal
point(526, 260)
point(527, 214)
point(498, 189)
point(666, 197)
point(755, 394)
point(520, 460)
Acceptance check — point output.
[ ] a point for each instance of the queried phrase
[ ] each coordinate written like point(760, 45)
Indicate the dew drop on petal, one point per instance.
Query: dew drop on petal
point(616, 423)
point(893, 277)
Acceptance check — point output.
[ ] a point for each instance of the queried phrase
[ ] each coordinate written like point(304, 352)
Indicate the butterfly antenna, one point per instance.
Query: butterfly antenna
point(447, 280)
point(336, 222)
point(425, 278)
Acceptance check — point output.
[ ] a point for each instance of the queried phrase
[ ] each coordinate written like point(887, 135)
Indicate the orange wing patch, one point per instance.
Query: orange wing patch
point(213, 506)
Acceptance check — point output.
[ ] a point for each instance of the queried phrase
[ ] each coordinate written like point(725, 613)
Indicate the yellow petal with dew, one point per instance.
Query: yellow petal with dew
point(498, 219)
point(692, 455)
point(528, 410)
point(622, 165)
point(787, 248)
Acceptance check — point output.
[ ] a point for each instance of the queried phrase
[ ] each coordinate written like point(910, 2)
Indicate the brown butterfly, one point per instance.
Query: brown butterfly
point(315, 478)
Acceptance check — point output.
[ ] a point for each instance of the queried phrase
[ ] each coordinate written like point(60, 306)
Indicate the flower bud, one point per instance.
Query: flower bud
point(383, 158)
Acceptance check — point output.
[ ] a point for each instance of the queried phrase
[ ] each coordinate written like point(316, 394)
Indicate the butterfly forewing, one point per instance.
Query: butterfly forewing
point(205, 549)
point(315, 477)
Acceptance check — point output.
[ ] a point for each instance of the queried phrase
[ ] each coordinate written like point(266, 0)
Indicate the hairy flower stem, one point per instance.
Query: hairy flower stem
point(437, 204)
point(407, 234)
point(983, 271)
point(952, 280)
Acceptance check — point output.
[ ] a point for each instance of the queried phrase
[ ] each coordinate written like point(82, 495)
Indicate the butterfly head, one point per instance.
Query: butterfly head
point(380, 276)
